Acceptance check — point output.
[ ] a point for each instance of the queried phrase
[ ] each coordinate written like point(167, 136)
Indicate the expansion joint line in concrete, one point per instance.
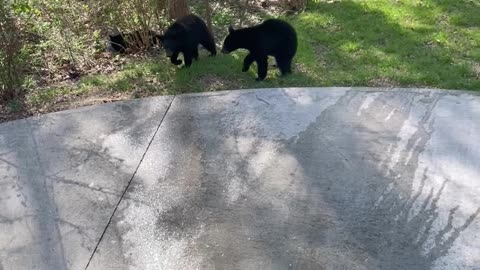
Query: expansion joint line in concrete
point(129, 182)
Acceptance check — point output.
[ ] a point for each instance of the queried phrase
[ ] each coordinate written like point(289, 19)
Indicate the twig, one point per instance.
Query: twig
point(262, 100)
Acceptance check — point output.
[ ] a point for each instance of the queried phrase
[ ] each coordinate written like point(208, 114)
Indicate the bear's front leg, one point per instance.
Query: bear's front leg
point(247, 62)
point(188, 59)
point(189, 55)
point(195, 54)
point(174, 59)
point(262, 65)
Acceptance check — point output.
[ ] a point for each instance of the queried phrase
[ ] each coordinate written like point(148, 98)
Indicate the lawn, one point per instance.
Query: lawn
point(385, 43)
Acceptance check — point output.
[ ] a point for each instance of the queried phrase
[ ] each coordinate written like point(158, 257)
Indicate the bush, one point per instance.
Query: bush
point(10, 54)
point(62, 40)
point(69, 36)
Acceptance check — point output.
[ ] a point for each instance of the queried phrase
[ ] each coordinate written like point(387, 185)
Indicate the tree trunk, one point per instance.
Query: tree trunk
point(208, 15)
point(177, 9)
point(243, 12)
point(294, 5)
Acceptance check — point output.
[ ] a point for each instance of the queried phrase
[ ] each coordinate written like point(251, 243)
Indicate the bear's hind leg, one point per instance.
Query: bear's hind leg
point(195, 54)
point(284, 64)
point(209, 45)
point(188, 57)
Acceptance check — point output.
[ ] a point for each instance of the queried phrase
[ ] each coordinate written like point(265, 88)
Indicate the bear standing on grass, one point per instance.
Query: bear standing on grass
point(184, 36)
point(272, 37)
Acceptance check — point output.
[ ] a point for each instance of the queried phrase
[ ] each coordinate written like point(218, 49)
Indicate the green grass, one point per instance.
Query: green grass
point(405, 43)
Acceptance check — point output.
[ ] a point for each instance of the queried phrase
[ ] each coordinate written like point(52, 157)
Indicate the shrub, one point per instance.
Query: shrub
point(10, 54)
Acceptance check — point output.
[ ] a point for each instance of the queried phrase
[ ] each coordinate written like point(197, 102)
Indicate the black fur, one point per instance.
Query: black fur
point(184, 36)
point(121, 42)
point(273, 37)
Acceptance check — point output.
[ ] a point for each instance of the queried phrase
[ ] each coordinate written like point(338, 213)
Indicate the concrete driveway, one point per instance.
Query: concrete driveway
point(322, 178)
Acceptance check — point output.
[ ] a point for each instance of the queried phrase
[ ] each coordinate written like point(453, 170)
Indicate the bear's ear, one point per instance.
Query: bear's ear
point(230, 29)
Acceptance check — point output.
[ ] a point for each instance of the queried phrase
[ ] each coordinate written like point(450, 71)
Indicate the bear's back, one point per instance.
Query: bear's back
point(277, 36)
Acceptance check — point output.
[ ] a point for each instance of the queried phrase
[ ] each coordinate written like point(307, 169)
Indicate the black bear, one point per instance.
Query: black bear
point(121, 42)
point(184, 36)
point(272, 37)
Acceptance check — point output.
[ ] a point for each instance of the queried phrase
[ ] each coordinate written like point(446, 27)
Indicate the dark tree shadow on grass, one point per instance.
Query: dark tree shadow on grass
point(461, 13)
point(409, 56)
point(223, 72)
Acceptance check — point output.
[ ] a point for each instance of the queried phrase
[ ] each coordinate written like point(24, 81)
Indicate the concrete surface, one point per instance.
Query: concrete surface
point(62, 174)
point(270, 179)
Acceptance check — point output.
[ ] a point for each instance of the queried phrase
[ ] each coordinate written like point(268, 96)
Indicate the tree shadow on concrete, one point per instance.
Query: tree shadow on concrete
point(67, 178)
point(392, 228)
point(317, 200)
point(251, 180)
point(409, 229)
